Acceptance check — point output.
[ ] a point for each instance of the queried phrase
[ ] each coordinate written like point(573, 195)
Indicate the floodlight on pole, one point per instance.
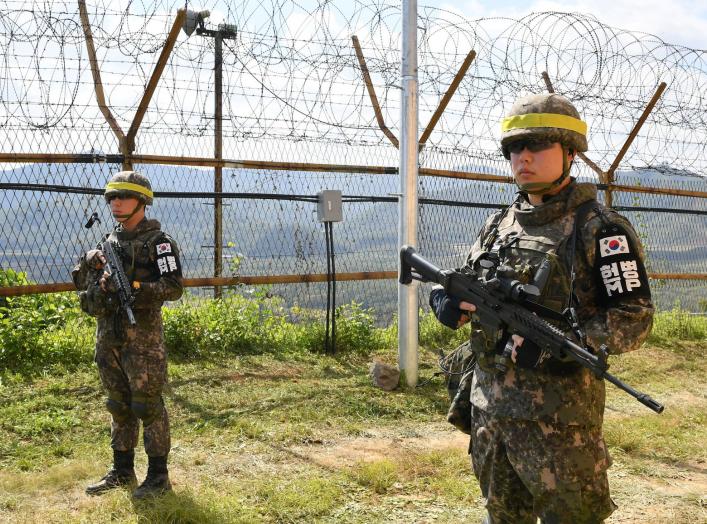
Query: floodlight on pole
point(195, 22)
point(194, 19)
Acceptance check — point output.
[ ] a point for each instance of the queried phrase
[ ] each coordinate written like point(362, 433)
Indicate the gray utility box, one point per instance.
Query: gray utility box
point(329, 206)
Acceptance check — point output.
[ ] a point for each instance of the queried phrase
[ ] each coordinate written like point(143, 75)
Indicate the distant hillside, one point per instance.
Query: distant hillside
point(46, 233)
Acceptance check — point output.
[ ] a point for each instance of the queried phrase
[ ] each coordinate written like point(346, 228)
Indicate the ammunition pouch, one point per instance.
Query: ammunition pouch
point(488, 347)
point(458, 368)
point(459, 413)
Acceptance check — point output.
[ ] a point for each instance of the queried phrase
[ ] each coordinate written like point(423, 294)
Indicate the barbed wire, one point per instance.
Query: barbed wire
point(291, 76)
point(293, 91)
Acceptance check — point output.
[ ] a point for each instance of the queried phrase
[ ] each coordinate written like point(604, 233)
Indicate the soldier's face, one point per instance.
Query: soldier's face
point(121, 207)
point(541, 166)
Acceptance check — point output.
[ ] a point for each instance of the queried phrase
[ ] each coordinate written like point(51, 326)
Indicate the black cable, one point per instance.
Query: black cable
point(333, 292)
point(328, 287)
point(53, 188)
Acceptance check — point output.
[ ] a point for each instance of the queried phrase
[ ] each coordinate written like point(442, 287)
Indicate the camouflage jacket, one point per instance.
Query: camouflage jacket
point(613, 302)
point(149, 256)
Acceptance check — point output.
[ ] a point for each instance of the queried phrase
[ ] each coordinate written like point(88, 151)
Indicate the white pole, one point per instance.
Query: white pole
point(407, 211)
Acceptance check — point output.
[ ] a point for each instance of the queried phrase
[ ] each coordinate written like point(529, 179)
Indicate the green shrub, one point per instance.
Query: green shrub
point(40, 331)
point(355, 330)
point(260, 324)
point(677, 324)
point(234, 324)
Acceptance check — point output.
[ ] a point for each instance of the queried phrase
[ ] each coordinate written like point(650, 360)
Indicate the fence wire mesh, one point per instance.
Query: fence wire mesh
point(293, 92)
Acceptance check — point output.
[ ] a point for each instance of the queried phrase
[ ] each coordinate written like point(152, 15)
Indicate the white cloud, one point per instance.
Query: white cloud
point(682, 22)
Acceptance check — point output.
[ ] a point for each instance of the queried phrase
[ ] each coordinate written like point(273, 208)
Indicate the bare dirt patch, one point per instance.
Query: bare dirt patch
point(379, 445)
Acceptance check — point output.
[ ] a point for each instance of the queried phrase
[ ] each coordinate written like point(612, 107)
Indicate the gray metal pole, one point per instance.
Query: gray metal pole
point(407, 222)
point(218, 154)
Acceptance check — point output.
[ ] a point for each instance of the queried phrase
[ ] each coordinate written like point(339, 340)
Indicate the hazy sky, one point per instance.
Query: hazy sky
point(675, 21)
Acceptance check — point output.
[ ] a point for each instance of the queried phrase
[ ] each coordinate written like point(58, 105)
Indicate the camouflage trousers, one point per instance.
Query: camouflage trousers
point(529, 469)
point(133, 371)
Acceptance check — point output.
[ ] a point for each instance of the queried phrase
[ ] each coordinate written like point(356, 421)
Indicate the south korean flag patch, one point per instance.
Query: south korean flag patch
point(613, 245)
point(618, 270)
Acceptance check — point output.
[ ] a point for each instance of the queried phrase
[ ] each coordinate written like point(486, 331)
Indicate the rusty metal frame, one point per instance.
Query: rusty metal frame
point(435, 116)
point(96, 72)
point(585, 158)
point(634, 132)
point(447, 97)
point(265, 165)
point(216, 281)
point(155, 78)
point(372, 93)
point(629, 140)
point(126, 143)
point(15, 291)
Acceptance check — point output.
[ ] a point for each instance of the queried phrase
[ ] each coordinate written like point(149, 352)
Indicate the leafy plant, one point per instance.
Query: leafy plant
point(39, 330)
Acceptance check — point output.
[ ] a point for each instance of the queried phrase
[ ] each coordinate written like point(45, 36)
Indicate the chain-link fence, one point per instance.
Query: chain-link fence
point(81, 96)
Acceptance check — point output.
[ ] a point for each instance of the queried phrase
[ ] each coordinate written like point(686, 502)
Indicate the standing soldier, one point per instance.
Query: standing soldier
point(131, 359)
point(536, 421)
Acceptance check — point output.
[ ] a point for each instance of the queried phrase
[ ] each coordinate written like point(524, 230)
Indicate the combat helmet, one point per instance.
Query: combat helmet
point(129, 183)
point(548, 117)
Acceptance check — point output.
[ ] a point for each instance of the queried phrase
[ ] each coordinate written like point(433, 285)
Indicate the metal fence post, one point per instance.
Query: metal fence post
point(218, 154)
point(407, 223)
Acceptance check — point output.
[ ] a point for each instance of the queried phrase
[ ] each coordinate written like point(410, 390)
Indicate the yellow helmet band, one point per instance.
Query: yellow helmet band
point(544, 120)
point(128, 186)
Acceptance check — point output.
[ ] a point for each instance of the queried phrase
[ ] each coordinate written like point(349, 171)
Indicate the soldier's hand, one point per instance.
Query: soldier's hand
point(465, 306)
point(107, 284)
point(517, 342)
point(527, 354)
point(95, 259)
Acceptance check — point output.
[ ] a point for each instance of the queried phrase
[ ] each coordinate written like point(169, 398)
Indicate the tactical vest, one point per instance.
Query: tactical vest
point(138, 253)
point(525, 250)
point(553, 391)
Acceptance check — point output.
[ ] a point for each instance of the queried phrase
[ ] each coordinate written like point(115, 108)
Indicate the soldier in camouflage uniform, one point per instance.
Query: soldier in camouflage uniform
point(536, 421)
point(132, 360)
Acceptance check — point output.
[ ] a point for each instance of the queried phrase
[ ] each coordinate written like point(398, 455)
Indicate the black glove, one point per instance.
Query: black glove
point(446, 308)
point(529, 355)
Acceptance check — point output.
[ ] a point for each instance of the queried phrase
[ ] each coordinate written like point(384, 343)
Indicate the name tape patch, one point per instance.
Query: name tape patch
point(167, 264)
point(620, 277)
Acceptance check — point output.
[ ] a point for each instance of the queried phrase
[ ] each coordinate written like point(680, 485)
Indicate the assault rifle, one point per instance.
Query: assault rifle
point(115, 268)
point(504, 303)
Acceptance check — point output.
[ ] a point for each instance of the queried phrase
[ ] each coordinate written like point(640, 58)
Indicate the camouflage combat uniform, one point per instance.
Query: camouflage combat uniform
point(132, 360)
point(536, 445)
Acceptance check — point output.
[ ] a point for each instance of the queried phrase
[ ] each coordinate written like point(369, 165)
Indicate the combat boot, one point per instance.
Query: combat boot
point(121, 474)
point(157, 480)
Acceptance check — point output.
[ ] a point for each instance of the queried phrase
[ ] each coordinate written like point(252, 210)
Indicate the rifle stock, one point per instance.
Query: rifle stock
point(507, 304)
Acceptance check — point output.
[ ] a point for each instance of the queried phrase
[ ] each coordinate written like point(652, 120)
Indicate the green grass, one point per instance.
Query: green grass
point(674, 325)
point(285, 434)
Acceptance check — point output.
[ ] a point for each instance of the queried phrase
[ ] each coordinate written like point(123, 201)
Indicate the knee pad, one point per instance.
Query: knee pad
point(118, 406)
point(146, 408)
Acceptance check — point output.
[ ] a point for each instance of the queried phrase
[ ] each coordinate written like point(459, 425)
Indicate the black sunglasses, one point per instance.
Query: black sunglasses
point(122, 195)
point(534, 146)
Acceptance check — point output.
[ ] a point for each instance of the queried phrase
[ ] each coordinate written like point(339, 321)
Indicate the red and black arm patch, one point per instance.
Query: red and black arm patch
point(619, 272)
